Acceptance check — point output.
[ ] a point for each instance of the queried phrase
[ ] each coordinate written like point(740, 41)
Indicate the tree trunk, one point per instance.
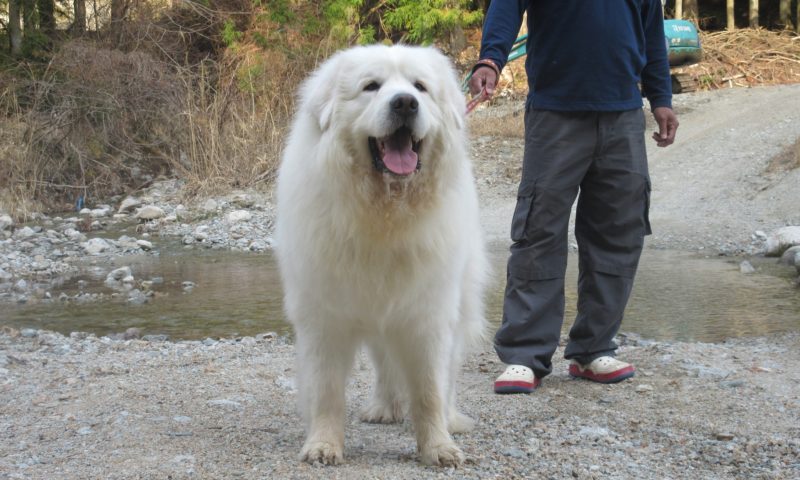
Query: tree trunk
point(690, 9)
point(14, 27)
point(79, 24)
point(28, 15)
point(678, 9)
point(94, 15)
point(785, 13)
point(753, 13)
point(118, 10)
point(731, 18)
point(47, 16)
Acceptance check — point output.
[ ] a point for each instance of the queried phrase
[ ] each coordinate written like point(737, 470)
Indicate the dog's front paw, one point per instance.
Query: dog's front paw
point(327, 453)
point(444, 455)
point(378, 412)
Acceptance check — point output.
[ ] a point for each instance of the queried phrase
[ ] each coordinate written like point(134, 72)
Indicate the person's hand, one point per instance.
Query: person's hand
point(667, 126)
point(484, 79)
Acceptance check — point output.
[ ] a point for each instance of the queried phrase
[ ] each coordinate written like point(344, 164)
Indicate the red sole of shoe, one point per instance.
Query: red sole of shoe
point(516, 387)
point(613, 377)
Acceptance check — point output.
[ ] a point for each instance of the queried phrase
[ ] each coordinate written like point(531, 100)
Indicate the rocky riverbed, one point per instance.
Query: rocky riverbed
point(725, 188)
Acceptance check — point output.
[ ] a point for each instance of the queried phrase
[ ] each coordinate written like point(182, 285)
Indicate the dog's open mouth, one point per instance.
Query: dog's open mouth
point(397, 153)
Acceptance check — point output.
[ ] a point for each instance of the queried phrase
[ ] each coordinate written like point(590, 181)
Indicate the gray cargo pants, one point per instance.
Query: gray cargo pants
point(602, 155)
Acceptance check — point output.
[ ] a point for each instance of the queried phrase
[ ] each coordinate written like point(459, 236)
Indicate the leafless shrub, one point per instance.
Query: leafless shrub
point(161, 97)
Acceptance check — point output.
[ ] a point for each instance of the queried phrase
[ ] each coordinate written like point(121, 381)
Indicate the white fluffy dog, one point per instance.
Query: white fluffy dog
point(378, 242)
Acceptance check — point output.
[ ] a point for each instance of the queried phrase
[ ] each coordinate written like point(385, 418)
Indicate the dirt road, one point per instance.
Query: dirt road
point(713, 189)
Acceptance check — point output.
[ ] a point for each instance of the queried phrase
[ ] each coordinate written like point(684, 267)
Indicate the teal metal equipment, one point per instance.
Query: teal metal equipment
point(520, 48)
point(683, 42)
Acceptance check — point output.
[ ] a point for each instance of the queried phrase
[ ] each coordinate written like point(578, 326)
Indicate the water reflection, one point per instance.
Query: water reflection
point(234, 294)
point(681, 296)
point(677, 296)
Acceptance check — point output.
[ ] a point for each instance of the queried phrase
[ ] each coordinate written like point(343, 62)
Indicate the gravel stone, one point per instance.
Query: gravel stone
point(224, 410)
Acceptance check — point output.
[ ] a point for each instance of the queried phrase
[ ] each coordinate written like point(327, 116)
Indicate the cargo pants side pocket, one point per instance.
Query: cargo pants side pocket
point(522, 212)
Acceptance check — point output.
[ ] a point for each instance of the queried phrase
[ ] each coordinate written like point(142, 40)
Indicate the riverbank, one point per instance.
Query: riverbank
point(86, 407)
point(726, 185)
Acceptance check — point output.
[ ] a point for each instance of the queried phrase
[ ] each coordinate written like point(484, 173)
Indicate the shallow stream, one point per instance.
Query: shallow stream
point(677, 296)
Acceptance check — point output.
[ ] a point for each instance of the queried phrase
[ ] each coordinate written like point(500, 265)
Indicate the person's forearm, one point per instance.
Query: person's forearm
point(500, 29)
point(656, 82)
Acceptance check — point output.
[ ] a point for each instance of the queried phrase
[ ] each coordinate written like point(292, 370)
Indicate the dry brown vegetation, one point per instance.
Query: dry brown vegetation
point(166, 94)
point(747, 58)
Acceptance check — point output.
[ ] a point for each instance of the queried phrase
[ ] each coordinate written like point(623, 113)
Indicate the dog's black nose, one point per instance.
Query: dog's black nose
point(404, 104)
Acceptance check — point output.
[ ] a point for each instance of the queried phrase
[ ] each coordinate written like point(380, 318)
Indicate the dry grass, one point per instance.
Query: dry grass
point(167, 94)
point(510, 125)
point(87, 123)
point(161, 97)
point(747, 57)
point(15, 197)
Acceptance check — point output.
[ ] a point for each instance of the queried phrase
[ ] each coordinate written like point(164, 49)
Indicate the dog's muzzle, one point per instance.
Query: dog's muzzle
point(398, 152)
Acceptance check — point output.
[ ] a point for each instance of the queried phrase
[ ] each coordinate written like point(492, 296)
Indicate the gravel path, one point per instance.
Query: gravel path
point(73, 408)
point(712, 190)
point(82, 407)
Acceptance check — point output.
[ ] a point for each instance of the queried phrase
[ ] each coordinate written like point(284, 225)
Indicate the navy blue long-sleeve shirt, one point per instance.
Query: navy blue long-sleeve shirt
point(585, 54)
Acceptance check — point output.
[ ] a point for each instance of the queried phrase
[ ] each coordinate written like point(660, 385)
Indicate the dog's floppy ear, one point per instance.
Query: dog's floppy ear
point(458, 105)
point(318, 92)
point(455, 100)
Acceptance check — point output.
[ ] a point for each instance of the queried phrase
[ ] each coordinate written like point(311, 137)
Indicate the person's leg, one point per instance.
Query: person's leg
point(558, 150)
point(610, 226)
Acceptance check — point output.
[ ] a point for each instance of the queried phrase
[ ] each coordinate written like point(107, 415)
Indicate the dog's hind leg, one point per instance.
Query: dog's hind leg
point(324, 360)
point(388, 403)
point(470, 332)
point(457, 422)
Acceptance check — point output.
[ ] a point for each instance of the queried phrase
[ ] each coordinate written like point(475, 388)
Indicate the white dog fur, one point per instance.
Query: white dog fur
point(367, 256)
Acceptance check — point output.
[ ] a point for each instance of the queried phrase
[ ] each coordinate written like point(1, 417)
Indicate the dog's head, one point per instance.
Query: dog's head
point(393, 105)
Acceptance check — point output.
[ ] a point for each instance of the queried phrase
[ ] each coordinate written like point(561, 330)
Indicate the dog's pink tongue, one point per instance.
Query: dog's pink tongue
point(401, 161)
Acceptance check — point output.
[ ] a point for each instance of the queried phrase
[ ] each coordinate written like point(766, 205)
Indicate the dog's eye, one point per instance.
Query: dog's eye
point(372, 86)
point(419, 86)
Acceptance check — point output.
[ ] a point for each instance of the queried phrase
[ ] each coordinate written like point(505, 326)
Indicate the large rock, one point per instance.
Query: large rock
point(150, 212)
point(120, 279)
point(789, 256)
point(782, 239)
point(129, 204)
point(101, 211)
point(25, 232)
point(119, 274)
point(210, 205)
point(243, 200)
point(74, 235)
point(136, 297)
point(237, 216)
point(96, 246)
point(6, 222)
point(144, 245)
